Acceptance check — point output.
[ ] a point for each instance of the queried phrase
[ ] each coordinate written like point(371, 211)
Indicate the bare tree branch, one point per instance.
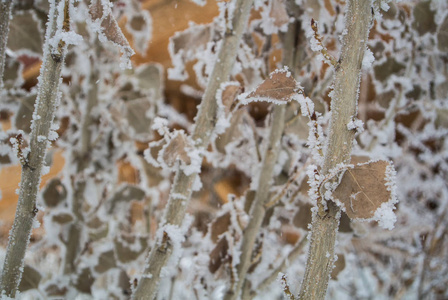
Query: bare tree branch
point(203, 131)
point(46, 104)
point(343, 106)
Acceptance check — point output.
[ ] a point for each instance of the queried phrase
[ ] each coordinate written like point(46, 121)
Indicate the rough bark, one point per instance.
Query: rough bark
point(344, 107)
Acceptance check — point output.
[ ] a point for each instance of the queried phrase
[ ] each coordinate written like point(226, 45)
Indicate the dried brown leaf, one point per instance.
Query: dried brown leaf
point(363, 189)
point(219, 226)
point(30, 279)
point(218, 254)
point(176, 149)
point(279, 88)
point(229, 95)
point(278, 13)
point(109, 26)
point(442, 36)
point(339, 266)
point(424, 18)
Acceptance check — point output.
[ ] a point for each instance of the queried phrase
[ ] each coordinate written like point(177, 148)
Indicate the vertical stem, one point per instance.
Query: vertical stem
point(205, 123)
point(46, 103)
point(258, 209)
point(5, 15)
point(344, 108)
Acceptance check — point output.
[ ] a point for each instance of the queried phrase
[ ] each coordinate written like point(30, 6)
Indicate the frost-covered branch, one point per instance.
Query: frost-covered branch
point(343, 106)
point(258, 209)
point(204, 128)
point(45, 107)
point(5, 14)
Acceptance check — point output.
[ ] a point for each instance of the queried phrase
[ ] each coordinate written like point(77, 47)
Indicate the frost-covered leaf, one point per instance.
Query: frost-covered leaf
point(84, 281)
point(303, 217)
point(176, 149)
point(109, 30)
point(388, 68)
point(30, 279)
point(26, 33)
point(219, 226)
point(137, 115)
point(126, 193)
point(97, 229)
point(228, 96)
point(24, 114)
point(63, 218)
point(139, 25)
point(424, 18)
point(363, 189)
point(12, 75)
point(339, 266)
point(279, 88)
point(129, 247)
point(56, 290)
point(54, 193)
point(150, 78)
point(191, 38)
point(442, 36)
point(278, 13)
point(106, 261)
point(218, 254)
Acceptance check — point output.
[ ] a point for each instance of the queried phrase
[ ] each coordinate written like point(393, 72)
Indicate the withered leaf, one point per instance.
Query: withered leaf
point(176, 149)
point(279, 88)
point(229, 95)
point(191, 38)
point(54, 193)
point(339, 266)
point(106, 261)
point(129, 247)
point(84, 281)
point(126, 194)
point(26, 33)
point(219, 226)
point(278, 13)
point(63, 218)
point(442, 36)
point(30, 279)
point(218, 254)
point(109, 26)
point(424, 18)
point(363, 189)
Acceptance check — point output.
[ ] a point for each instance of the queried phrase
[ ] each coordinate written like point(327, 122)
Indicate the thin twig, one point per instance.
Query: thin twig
point(258, 209)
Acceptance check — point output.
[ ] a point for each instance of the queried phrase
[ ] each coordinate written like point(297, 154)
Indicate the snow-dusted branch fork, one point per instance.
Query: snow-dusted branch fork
point(41, 134)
